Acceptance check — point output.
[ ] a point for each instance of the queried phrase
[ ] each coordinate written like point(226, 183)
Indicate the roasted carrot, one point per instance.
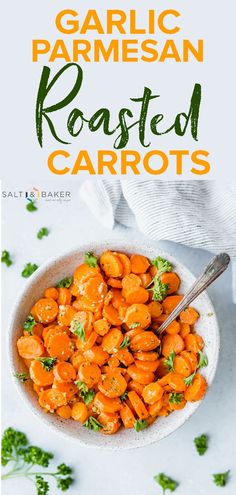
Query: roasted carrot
point(106, 404)
point(172, 280)
point(137, 313)
point(30, 347)
point(138, 405)
point(60, 346)
point(51, 292)
point(79, 412)
point(170, 303)
point(190, 316)
point(64, 412)
point(127, 416)
point(140, 376)
point(172, 343)
point(64, 372)
point(152, 393)
point(51, 399)
point(96, 355)
point(197, 390)
point(39, 374)
point(139, 263)
point(112, 340)
point(112, 385)
point(111, 264)
point(144, 341)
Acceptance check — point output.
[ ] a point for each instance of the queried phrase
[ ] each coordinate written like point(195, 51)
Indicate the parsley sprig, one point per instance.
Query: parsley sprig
point(162, 265)
point(47, 362)
point(6, 258)
point(169, 361)
point(29, 324)
point(201, 443)
point(43, 232)
point(92, 424)
point(86, 394)
point(28, 269)
point(22, 377)
point(90, 259)
point(26, 458)
point(78, 329)
point(176, 398)
point(159, 289)
point(125, 343)
point(140, 424)
point(165, 482)
point(220, 479)
point(64, 283)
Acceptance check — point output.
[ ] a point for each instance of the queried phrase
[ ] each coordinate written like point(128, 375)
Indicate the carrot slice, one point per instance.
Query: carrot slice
point(139, 263)
point(140, 376)
point(145, 279)
point(162, 369)
point(147, 365)
point(112, 340)
point(60, 346)
point(84, 304)
point(96, 355)
point(117, 299)
point(184, 330)
point(146, 356)
point(155, 408)
point(79, 412)
point(110, 423)
point(182, 366)
point(46, 310)
point(112, 385)
point(101, 326)
point(86, 320)
point(170, 303)
point(152, 393)
point(66, 314)
point(173, 328)
point(145, 341)
point(191, 343)
point(155, 309)
point(54, 331)
point(137, 313)
point(138, 405)
point(125, 263)
point(64, 372)
point(51, 292)
point(176, 382)
point(111, 314)
point(197, 390)
point(39, 374)
point(136, 295)
point(106, 404)
point(192, 358)
point(136, 387)
point(51, 399)
point(111, 264)
point(30, 347)
point(64, 412)
point(113, 361)
point(69, 390)
point(36, 330)
point(177, 406)
point(131, 281)
point(95, 289)
point(89, 373)
point(125, 357)
point(76, 359)
point(127, 416)
point(172, 343)
point(190, 316)
point(114, 282)
point(64, 296)
point(172, 280)
point(83, 273)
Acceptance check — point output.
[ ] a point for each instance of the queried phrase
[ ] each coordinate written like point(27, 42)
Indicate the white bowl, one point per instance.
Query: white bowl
point(56, 269)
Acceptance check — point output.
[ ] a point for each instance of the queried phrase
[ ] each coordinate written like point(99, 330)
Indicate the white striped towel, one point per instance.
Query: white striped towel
point(200, 214)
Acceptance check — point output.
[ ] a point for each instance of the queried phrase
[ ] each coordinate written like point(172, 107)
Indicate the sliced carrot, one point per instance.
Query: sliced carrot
point(145, 341)
point(177, 406)
point(136, 387)
point(51, 292)
point(162, 369)
point(106, 404)
point(64, 412)
point(88, 343)
point(66, 314)
point(38, 388)
point(64, 372)
point(112, 315)
point(89, 373)
point(176, 382)
point(192, 358)
point(54, 330)
point(152, 393)
point(125, 263)
point(51, 399)
point(136, 295)
point(85, 318)
point(132, 333)
point(117, 299)
point(74, 290)
point(190, 316)
point(113, 361)
point(146, 356)
point(46, 310)
point(182, 366)
point(30, 347)
point(112, 385)
point(69, 390)
point(131, 281)
point(112, 340)
point(153, 271)
point(79, 412)
point(27, 362)
point(173, 328)
point(111, 264)
point(114, 282)
point(138, 313)
point(147, 365)
point(155, 408)
point(83, 273)
point(39, 374)
point(191, 343)
point(110, 422)
point(200, 342)
point(155, 309)
point(138, 405)
point(170, 303)
point(184, 330)
point(64, 296)
point(84, 304)
point(36, 330)
point(125, 356)
point(76, 359)
point(96, 355)
point(172, 280)
point(197, 390)
point(127, 416)
point(139, 263)
point(60, 346)
point(172, 343)
point(140, 376)
point(95, 289)
point(101, 326)
point(145, 279)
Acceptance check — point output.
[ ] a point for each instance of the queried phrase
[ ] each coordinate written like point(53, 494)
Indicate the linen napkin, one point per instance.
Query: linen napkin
point(199, 214)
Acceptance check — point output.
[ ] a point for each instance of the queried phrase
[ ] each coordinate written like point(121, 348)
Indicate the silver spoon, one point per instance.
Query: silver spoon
point(216, 267)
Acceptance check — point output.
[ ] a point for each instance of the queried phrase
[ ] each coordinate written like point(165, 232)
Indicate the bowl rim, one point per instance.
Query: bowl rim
point(109, 243)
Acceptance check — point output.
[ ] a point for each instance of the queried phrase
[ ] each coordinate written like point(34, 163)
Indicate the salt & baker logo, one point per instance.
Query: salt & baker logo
point(35, 194)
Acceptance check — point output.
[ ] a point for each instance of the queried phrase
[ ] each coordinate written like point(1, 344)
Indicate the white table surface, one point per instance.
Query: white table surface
point(106, 472)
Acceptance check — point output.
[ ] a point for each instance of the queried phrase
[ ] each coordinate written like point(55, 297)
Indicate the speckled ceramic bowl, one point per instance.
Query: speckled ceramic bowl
point(64, 265)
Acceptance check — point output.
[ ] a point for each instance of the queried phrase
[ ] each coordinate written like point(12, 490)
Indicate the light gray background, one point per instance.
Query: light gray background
point(105, 472)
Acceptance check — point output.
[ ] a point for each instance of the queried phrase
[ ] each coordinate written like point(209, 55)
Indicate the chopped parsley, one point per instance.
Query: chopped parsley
point(203, 361)
point(87, 394)
point(140, 424)
point(124, 396)
point(201, 443)
point(92, 424)
point(6, 258)
point(22, 377)
point(42, 232)
point(189, 380)
point(165, 482)
point(90, 259)
point(29, 269)
point(125, 343)
point(78, 329)
point(169, 362)
point(29, 324)
point(220, 479)
point(176, 398)
point(159, 290)
point(47, 362)
point(64, 283)
point(31, 206)
point(134, 325)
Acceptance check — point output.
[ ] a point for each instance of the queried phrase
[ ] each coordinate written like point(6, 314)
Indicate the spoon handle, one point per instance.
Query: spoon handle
point(216, 267)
